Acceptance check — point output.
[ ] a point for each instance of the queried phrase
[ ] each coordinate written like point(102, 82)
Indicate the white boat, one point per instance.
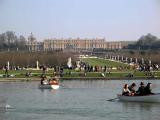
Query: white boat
point(145, 98)
point(55, 87)
point(53, 84)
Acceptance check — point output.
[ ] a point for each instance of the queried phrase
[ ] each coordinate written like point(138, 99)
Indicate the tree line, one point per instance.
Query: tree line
point(29, 59)
point(146, 42)
point(9, 41)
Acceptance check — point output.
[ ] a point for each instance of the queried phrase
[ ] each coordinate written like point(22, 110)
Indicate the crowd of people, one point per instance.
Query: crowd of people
point(142, 90)
point(147, 67)
point(84, 66)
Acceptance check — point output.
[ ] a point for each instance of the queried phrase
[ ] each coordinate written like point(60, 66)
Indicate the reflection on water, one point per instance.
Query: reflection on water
point(140, 106)
point(75, 100)
point(147, 111)
point(3, 101)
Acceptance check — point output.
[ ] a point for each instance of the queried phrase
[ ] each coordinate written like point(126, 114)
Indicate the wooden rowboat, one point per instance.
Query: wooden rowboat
point(145, 98)
point(48, 86)
point(53, 84)
point(55, 87)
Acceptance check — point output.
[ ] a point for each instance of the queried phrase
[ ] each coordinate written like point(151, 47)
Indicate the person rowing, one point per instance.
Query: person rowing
point(141, 89)
point(44, 80)
point(53, 82)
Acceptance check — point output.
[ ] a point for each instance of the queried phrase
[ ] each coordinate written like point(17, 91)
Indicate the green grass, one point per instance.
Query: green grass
point(103, 62)
point(93, 61)
point(117, 74)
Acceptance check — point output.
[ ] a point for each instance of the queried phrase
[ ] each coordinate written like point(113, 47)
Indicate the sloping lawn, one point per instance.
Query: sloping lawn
point(102, 62)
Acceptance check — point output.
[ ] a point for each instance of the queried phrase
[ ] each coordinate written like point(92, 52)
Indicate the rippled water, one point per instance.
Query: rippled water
point(75, 100)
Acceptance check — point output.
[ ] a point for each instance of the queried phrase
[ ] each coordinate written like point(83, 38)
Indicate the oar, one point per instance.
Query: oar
point(112, 99)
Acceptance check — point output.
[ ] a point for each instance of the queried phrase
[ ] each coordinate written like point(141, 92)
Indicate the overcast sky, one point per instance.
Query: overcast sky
point(113, 19)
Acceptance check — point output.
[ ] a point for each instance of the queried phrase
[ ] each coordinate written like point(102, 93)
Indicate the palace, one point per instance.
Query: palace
point(74, 44)
point(80, 44)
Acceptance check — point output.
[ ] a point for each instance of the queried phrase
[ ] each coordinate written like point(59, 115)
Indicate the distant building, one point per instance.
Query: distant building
point(80, 44)
point(113, 45)
point(74, 44)
point(33, 45)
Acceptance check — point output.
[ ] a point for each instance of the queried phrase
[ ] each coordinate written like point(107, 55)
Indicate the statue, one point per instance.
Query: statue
point(69, 63)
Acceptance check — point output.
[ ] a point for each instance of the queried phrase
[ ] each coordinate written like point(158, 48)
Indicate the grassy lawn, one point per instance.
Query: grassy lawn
point(102, 62)
point(92, 61)
point(117, 74)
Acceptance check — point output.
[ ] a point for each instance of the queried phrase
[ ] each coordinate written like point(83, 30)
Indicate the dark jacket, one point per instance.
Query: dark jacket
point(141, 90)
point(147, 90)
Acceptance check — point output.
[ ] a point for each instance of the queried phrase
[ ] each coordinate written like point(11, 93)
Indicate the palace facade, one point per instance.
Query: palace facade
point(76, 44)
point(80, 44)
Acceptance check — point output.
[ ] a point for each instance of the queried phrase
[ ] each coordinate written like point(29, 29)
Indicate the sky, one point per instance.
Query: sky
point(114, 20)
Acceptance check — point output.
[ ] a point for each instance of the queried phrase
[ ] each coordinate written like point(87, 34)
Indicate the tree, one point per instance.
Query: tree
point(146, 42)
point(22, 42)
point(3, 41)
point(10, 41)
point(11, 37)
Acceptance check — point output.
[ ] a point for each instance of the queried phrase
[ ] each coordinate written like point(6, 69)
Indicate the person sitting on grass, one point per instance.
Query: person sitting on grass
point(28, 74)
point(126, 91)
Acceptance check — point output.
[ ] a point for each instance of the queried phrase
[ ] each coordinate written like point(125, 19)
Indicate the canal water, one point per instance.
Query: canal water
point(75, 100)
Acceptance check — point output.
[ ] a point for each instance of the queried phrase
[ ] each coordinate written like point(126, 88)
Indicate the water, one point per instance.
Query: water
point(75, 100)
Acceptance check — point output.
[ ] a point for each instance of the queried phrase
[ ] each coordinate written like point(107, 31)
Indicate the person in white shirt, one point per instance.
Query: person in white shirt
point(126, 91)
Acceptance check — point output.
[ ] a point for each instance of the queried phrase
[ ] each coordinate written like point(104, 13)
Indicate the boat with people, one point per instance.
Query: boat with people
point(54, 84)
point(143, 94)
point(145, 98)
point(49, 84)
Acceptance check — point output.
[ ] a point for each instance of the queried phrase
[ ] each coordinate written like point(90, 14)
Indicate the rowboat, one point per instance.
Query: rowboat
point(51, 85)
point(54, 84)
point(55, 87)
point(144, 98)
point(48, 86)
